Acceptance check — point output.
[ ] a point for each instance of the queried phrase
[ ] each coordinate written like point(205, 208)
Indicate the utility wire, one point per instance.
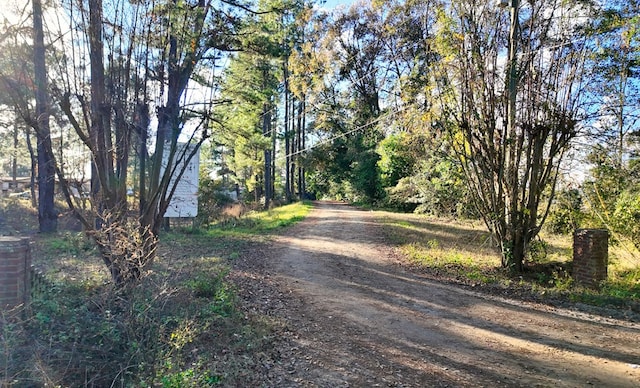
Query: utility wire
point(356, 129)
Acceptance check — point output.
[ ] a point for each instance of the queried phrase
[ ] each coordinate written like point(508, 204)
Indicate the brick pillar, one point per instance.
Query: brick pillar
point(15, 271)
point(590, 256)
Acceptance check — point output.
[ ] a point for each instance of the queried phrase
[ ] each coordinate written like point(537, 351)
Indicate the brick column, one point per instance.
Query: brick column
point(590, 256)
point(15, 271)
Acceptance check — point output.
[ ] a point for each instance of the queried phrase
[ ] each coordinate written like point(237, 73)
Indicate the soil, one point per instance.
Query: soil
point(353, 313)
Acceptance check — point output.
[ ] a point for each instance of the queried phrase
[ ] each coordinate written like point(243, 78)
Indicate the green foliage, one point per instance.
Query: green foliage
point(396, 158)
point(624, 285)
point(212, 198)
point(213, 287)
point(608, 180)
point(537, 251)
point(189, 378)
point(626, 216)
point(613, 195)
point(366, 177)
point(70, 243)
point(566, 212)
point(347, 170)
point(437, 188)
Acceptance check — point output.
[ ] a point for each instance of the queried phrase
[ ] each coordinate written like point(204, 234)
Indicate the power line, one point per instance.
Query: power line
point(356, 129)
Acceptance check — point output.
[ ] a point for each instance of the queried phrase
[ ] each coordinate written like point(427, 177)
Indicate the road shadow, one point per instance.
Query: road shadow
point(427, 332)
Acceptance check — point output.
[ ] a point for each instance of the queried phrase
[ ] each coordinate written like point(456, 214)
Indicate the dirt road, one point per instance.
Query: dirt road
point(356, 317)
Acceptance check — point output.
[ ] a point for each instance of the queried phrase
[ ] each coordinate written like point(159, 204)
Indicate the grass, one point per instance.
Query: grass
point(182, 326)
point(462, 251)
point(263, 222)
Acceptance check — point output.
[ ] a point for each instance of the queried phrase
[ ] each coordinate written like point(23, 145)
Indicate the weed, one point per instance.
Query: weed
point(207, 285)
point(191, 377)
point(70, 243)
point(433, 244)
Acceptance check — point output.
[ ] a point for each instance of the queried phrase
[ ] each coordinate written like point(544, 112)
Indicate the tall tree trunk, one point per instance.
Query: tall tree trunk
point(299, 147)
point(287, 140)
point(515, 257)
point(266, 121)
point(34, 165)
point(272, 129)
point(301, 177)
point(142, 124)
point(47, 215)
point(14, 156)
point(292, 154)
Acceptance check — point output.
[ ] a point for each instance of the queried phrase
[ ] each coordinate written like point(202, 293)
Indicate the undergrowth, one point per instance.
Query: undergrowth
point(182, 326)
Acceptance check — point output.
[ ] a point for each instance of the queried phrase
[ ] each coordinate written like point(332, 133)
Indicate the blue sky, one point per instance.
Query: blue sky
point(334, 3)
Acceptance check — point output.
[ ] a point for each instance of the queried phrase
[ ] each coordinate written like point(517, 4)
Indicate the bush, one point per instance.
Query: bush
point(213, 196)
point(437, 189)
point(566, 213)
point(626, 216)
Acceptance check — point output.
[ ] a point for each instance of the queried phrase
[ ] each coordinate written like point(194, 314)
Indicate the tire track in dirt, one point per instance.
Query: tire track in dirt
point(360, 319)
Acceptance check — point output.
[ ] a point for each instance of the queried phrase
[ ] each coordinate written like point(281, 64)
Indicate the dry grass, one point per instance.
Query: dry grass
point(463, 251)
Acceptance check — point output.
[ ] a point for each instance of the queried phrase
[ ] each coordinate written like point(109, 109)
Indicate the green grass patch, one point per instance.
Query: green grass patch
point(72, 243)
point(262, 222)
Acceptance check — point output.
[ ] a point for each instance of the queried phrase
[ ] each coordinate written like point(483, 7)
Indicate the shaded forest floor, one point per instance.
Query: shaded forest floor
point(331, 301)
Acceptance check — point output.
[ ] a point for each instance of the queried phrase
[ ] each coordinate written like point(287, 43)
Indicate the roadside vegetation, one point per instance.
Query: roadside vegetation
point(463, 252)
point(183, 325)
point(439, 107)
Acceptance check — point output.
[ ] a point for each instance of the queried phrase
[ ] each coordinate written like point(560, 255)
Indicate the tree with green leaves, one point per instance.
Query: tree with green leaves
point(249, 86)
point(348, 98)
point(614, 179)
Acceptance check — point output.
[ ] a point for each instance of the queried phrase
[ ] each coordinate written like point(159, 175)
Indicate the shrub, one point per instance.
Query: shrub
point(213, 197)
point(566, 213)
point(626, 216)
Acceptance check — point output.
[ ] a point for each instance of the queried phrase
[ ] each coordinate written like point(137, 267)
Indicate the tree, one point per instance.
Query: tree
point(349, 98)
point(22, 87)
point(141, 56)
point(511, 140)
point(248, 85)
point(251, 88)
point(615, 63)
point(47, 215)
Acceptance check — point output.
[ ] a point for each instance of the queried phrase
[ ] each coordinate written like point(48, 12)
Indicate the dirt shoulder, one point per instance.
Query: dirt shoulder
point(352, 315)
